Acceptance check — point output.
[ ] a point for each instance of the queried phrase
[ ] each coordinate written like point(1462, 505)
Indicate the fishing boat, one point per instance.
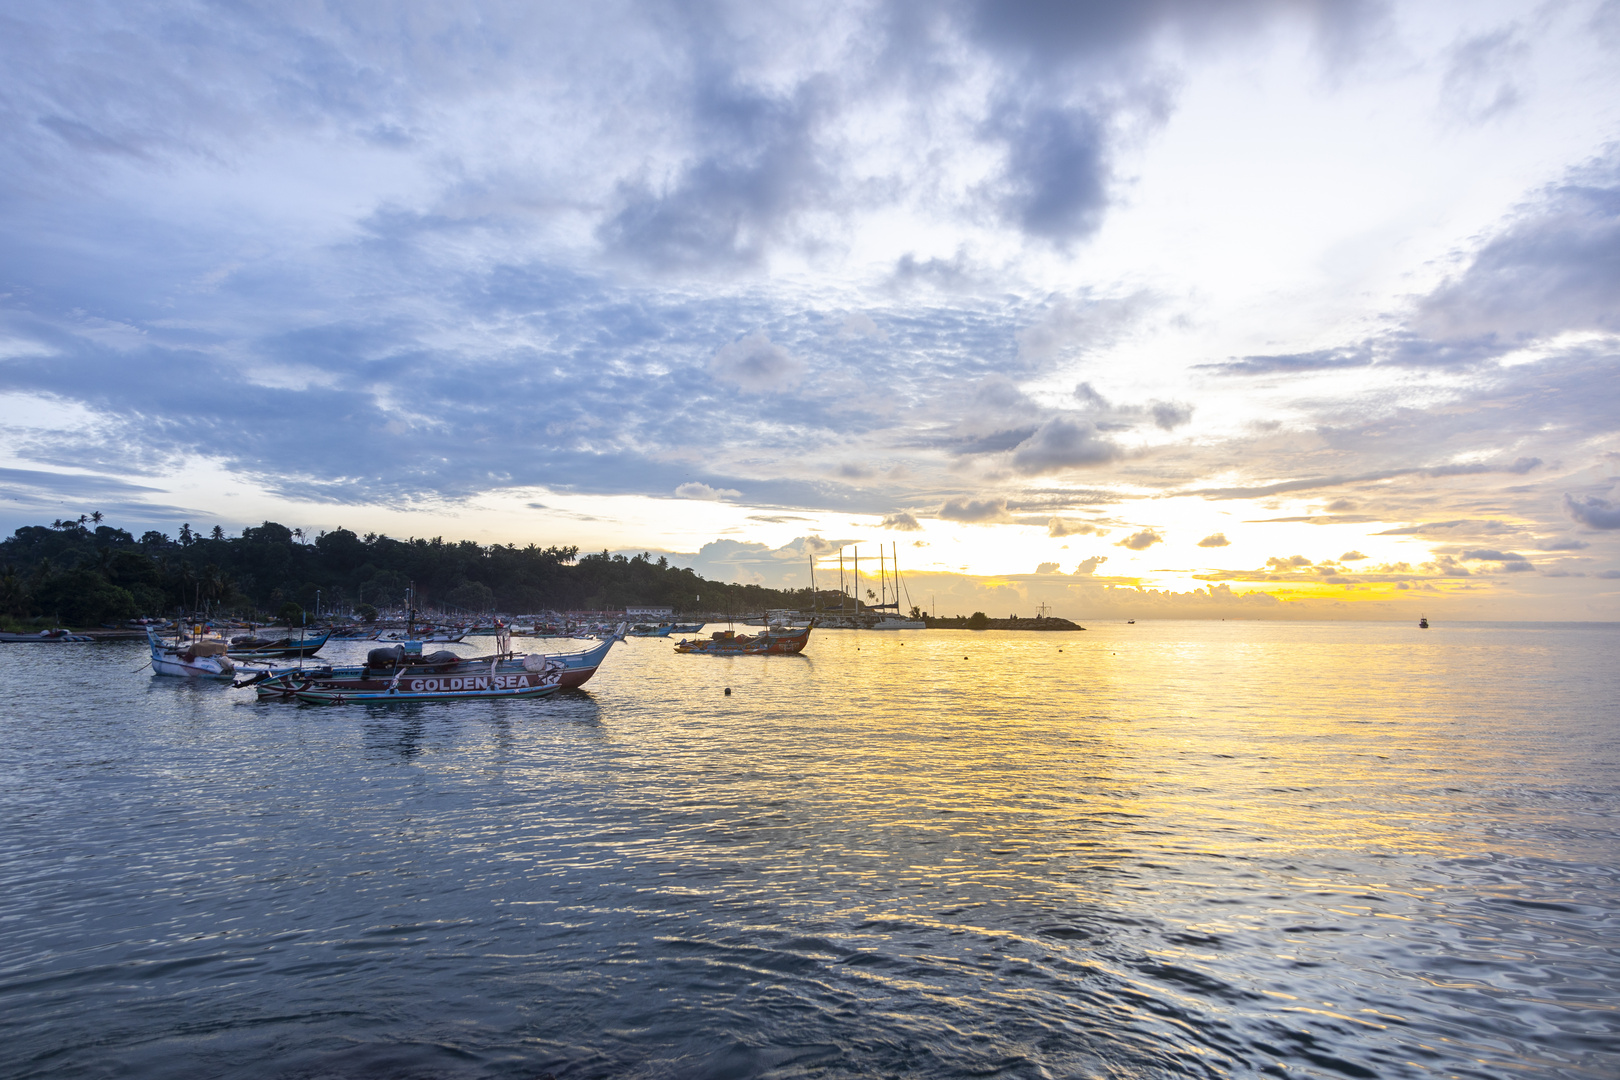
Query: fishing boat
point(251, 647)
point(535, 676)
point(1423, 623)
point(651, 631)
point(777, 640)
point(192, 658)
point(686, 628)
point(56, 634)
point(406, 659)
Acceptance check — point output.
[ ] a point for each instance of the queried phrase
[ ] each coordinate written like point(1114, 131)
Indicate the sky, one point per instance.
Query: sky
point(1179, 308)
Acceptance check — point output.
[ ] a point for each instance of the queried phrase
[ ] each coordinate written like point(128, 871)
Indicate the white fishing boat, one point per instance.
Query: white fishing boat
point(191, 658)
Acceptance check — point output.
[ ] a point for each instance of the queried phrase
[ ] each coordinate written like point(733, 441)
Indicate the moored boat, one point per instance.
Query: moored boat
point(192, 658)
point(573, 669)
point(535, 677)
point(774, 640)
point(56, 634)
point(250, 647)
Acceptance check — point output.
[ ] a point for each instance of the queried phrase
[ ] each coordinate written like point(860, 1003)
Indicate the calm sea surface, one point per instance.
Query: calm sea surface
point(1161, 850)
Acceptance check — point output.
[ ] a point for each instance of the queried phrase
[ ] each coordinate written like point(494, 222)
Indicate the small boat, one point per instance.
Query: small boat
point(895, 622)
point(193, 658)
point(250, 647)
point(775, 640)
point(573, 669)
point(686, 628)
point(1423, 623)
point(536, 677)
point(651, 631)
point(56, 634)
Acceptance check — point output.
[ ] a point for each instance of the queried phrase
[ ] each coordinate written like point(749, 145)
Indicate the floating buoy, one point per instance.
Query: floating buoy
point(728, 691)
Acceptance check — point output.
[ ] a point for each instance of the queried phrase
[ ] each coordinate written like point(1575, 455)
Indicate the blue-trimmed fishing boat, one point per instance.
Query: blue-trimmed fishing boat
point(574, 669)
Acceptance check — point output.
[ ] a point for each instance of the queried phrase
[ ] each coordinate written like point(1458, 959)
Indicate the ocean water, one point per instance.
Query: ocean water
point(1162, 850)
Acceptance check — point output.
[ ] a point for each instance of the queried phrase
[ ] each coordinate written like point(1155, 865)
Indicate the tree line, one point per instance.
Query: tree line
point(84, 573)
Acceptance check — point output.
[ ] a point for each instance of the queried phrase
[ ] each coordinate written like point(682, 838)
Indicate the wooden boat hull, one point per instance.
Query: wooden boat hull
point(770, 643)
point(291, 650)
point(574, 670)
point(424, 687)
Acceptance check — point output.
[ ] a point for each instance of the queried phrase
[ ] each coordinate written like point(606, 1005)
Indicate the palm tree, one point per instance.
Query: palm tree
point(96, 516)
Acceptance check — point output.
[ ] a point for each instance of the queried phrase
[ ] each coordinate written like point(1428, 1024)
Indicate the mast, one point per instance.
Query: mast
point(897, 581)
point(843, 589)
point(857, 581)
point(883, 582)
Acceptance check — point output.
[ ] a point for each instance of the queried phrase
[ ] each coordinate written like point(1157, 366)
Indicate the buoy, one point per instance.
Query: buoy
point(728, 691)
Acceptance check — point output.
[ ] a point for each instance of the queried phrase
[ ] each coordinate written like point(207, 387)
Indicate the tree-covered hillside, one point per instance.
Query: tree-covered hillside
point(85, 572)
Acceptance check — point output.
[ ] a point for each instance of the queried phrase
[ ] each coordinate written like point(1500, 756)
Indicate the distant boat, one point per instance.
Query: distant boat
point(57, 634)
point(1130, 622)
point(644, 630)
point(1423, 623)
point(895, 622)
point(778, 640)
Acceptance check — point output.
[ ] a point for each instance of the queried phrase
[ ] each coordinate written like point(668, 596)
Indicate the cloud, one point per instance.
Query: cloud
point(1479, 82)
point(1554, 269)
point(1491, 555)
point(755, 363)
point(1352, 556)
point(1593, 512)
point(860, 324)
point(1170, 415)
point(1059, 527)
point(1214, 540)
point(1047, 568)
point(1089, 566)
point(1140, 541)
point(1054, 185)
point(1061, 443)
point(695, 490)
point(975, 511)
point(757, 166)
point(902, 522)
point(1080, 324)
point(1293, 562)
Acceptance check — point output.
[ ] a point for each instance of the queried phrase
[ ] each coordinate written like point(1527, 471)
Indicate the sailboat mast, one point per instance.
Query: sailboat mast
point(857, 581)
point(883, 581)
